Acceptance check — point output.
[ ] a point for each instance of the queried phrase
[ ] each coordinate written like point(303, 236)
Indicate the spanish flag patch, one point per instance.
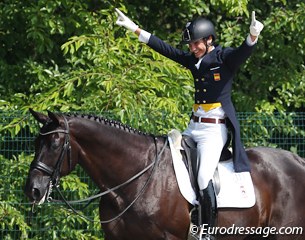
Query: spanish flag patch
point(216, 76)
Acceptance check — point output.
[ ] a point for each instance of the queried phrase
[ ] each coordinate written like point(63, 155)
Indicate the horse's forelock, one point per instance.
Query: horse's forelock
point(48, 126)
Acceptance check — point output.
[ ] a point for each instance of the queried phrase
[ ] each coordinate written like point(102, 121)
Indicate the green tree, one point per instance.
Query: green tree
point(70, 56)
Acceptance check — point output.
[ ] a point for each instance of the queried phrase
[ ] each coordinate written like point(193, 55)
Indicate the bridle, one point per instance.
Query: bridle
point(54, 174)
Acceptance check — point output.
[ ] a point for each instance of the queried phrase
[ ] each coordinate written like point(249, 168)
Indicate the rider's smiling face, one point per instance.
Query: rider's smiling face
point(198, 48)
point(202, 46)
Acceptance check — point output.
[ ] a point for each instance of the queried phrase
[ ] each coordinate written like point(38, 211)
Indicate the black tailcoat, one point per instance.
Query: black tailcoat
point(213, 83)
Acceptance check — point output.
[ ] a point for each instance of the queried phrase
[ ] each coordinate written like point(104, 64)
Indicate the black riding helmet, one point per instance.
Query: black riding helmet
point(197, 29)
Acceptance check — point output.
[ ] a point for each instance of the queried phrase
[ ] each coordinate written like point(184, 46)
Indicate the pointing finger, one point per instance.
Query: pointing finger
point(119, 12)
point(253, 17)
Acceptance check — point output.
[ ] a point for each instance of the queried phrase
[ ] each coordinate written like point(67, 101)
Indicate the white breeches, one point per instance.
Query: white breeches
point(210, 139)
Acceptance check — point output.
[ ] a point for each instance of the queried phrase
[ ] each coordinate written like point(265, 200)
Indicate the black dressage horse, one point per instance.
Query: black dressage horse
point(143, 199)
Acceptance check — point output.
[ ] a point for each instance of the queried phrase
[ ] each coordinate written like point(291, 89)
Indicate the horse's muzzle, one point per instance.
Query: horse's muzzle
point(36, 187)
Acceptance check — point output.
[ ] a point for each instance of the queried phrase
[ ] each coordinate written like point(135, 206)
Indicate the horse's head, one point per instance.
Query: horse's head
point(52, 156)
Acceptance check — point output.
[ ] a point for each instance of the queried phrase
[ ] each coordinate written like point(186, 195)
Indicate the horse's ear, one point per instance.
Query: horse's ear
point(54, 117)
point(40, 117)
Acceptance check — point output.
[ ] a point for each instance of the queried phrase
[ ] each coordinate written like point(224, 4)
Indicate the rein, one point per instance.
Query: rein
point(55, 175)
point(153, 164)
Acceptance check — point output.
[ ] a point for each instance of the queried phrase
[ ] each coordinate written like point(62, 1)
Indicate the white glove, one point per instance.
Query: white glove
point(125, 21)
point(256, 27)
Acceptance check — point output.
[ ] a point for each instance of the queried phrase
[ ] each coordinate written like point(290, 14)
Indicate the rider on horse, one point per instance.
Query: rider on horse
point(213, 68)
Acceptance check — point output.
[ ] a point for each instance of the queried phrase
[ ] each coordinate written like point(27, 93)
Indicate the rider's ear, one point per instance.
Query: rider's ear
point(42, 118)
point(54, 117)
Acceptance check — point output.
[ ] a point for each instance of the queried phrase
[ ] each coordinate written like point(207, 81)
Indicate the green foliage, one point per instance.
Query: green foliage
point(280, 130)
point(12, 217)
point(75, 58)
point(50, 221)
point(274, 80)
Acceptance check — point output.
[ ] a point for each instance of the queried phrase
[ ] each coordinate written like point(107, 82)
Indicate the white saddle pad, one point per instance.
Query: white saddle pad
point(236, 189)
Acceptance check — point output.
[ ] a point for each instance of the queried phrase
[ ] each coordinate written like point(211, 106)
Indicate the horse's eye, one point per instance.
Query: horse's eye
point(55, 141)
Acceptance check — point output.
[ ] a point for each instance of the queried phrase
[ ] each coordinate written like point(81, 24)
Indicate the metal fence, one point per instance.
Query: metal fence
point(54, 221)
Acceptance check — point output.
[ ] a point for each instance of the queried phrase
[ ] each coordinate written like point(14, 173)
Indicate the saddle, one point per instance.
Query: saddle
point(188, 149)
point(189, 157)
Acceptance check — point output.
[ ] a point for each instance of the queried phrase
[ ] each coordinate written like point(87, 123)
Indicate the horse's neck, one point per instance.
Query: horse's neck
point(111, 155)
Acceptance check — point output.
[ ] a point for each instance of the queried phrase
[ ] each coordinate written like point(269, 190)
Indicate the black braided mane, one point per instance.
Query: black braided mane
point(105, 121)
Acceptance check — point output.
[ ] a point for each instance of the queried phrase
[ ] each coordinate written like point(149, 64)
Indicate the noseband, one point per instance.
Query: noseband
point(54, 173)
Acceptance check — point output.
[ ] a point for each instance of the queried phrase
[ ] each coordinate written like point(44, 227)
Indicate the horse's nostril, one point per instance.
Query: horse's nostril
point(35, 193)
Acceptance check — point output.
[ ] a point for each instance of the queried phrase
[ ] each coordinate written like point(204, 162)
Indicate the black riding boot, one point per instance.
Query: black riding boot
point(208, 207)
